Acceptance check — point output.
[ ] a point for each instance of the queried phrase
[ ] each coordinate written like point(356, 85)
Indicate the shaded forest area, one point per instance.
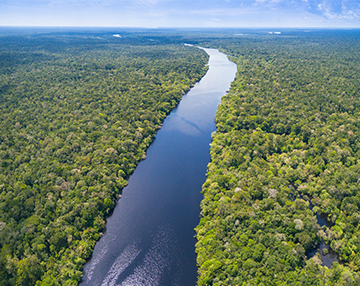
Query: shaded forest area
point(288, 136)
point(77, 113)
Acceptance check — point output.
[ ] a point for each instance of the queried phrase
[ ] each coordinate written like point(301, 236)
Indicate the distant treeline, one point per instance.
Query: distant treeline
point(288, 134)
point(77, 113)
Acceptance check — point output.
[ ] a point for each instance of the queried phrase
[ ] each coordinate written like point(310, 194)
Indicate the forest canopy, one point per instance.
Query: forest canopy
point(77, 113)
point(79, 109)
point(286, 151)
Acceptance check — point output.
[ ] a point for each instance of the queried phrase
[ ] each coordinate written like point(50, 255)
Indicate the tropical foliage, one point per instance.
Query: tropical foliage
point(288, 136)
point(77, 113)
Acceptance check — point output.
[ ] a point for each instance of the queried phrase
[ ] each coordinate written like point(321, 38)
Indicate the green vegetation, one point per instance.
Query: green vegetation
point(77, 113)
point(288, 133)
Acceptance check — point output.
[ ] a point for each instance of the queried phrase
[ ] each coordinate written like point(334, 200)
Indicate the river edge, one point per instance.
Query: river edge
point(133, 250)
point(127, 178)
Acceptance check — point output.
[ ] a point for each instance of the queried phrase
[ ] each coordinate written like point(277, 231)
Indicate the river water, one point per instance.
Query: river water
point(327, 255)
point(149, 238)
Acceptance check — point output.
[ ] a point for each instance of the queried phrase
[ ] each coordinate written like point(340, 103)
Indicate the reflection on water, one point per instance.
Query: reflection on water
point(149, 238)
point(158, 257)
point(121, 263)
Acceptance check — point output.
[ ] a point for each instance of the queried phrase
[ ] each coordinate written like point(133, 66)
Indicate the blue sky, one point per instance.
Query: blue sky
point(181, 13)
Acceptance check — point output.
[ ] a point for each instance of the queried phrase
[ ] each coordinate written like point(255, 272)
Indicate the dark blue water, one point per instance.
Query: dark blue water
point(150, 236)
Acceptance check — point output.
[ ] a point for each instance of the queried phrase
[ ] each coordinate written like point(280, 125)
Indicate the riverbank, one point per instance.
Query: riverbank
point(291, 118)
point(77, 115)
point(149, 239)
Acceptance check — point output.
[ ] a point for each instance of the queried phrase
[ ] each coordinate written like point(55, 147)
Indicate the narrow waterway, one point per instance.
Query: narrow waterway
point(149, 238)
point(327, 255)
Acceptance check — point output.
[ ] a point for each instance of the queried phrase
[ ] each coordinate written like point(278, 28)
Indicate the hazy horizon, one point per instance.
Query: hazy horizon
point(181, 14)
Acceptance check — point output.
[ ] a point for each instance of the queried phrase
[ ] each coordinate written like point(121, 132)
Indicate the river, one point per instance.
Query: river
point(149, 238)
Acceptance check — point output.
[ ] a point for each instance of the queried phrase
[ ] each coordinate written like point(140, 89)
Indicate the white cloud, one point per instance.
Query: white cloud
point(227, 12)
point(147, 2)
point(345, 10)
point(181, 13)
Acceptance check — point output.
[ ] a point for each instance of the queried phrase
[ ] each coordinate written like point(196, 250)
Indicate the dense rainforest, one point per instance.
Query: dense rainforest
point(77, 113)
point(287, 149)
point(79, 109)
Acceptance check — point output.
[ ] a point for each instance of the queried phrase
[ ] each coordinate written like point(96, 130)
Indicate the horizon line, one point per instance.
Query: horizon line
point(195, 27)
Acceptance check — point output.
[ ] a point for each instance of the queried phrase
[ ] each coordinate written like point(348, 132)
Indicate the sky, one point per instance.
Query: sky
point(181, 13)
